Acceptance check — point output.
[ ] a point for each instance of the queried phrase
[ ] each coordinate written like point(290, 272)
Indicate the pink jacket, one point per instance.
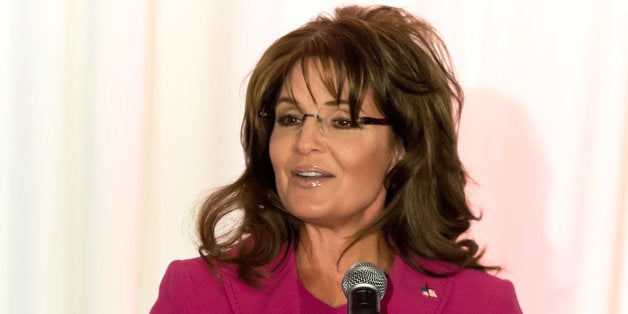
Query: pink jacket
point(190, 287)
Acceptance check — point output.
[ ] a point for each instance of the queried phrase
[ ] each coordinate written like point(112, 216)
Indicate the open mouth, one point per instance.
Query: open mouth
point(311, 179)
point(311, 175)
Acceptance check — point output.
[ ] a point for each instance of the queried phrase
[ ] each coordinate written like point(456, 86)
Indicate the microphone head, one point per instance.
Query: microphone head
point(364, 273)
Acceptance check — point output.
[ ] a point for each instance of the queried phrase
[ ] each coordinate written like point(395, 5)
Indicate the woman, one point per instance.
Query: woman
point(351, 155)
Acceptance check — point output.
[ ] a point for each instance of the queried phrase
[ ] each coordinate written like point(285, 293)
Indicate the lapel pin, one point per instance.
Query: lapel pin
point(427, 292)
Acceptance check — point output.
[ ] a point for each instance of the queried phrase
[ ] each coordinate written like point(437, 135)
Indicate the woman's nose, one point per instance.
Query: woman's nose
point(310, 137)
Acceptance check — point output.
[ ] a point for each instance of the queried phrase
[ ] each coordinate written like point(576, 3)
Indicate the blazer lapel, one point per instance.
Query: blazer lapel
point(279, 294)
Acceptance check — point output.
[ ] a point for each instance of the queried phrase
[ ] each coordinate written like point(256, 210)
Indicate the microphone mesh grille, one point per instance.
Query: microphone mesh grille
point(365, 272)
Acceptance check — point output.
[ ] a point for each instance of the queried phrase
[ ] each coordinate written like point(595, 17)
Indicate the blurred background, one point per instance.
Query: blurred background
point(118, 117)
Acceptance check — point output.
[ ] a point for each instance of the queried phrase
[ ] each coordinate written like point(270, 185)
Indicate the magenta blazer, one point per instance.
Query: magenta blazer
point(190, 287)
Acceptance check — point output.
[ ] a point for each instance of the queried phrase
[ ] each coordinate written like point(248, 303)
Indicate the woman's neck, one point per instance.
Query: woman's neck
point(321, 263)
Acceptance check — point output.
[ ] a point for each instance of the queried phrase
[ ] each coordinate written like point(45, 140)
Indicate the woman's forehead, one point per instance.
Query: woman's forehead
point(310, 72)
point(296, 93)
point(319, 79)
point(315, 82)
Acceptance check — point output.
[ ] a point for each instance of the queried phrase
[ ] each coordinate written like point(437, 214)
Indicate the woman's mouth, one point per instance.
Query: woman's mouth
point(311, 178)
point(310, 174)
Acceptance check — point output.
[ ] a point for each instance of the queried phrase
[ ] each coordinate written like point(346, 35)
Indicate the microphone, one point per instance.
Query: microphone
point(364, 285)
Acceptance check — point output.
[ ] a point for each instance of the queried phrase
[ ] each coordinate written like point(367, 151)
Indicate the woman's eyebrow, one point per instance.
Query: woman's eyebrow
point(336, 102)
point(331, 103)
point(288, 100)
point(293, 101)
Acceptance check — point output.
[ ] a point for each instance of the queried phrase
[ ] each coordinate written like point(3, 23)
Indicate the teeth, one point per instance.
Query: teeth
point(310, 174)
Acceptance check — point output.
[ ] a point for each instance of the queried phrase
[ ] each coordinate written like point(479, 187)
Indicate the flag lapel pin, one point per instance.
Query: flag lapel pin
point(428, 292)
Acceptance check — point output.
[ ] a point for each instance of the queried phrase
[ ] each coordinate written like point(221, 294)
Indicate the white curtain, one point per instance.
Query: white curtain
point(117, 117)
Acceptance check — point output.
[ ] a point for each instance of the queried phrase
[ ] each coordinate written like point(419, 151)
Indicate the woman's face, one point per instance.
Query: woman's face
point(332, 177)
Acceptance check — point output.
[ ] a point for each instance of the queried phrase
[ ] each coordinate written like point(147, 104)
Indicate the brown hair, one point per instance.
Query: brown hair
point(405, 65)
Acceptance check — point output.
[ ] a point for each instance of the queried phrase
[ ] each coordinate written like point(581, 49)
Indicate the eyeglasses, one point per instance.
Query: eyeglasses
point(334, 124)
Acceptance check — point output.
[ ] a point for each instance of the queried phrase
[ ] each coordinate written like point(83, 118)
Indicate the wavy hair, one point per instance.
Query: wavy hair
point(404, 64)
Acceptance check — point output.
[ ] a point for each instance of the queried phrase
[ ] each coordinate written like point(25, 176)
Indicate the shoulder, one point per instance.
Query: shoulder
point(188, 286)
point(191, 267)
point(466, 291)
point(487, 288)
point(475, 289)
point(191, 286)
point(194, 272)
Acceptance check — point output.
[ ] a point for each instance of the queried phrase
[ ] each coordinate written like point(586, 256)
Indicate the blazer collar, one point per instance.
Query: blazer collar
point(279, 293)
point(408, 291)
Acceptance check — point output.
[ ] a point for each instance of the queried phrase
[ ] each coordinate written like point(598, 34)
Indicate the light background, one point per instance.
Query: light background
point(117, 117)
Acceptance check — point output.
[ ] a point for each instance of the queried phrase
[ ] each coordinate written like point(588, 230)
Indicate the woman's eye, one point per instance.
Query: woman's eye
point(344, 123)
point(288, 120)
